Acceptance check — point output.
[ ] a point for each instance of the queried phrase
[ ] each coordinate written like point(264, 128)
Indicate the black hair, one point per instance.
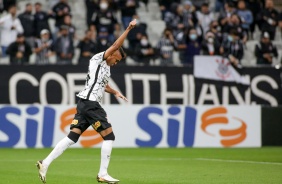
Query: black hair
point(122, 53)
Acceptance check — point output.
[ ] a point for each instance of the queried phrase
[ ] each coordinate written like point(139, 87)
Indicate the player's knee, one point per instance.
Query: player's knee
point(110, 136)
point(73, 136)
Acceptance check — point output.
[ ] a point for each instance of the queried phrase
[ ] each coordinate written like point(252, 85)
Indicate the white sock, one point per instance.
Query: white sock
point(105, 157)
point(57, 151)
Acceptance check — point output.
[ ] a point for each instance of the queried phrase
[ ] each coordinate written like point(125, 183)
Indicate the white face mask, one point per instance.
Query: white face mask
point(144, 42)
point(210, 40)
point(104, 42)
point(103, 6)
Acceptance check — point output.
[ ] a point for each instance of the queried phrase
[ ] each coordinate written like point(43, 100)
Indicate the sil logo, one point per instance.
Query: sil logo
point(229, 137)
point(89, 138)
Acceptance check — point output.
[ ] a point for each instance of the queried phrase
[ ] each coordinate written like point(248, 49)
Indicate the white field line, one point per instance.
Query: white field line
point(238, 161)
point(148, 159)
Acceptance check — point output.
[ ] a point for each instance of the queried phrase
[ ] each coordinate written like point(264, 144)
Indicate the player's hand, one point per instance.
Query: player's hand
point(132, 24)
point(119, 95)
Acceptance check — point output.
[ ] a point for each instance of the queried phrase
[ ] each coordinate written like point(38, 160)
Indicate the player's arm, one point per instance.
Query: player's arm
point(110, 90)
point(118, 43)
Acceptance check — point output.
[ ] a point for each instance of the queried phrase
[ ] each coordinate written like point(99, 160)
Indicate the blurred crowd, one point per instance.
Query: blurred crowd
point(192, 28)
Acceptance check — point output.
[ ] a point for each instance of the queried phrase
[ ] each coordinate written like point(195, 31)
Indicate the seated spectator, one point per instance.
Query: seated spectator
point(210, 45)
point(269, 19)
point(10, 27)
point(44, 48)
point(64, 47)
point(27, 21)
point(19, 51)
point(87, 48)
point(193, 47)
point(104, 17)
point(165, 47)
point(245, 15)
point(103, 40)
point(144, 51)
point(232, 48)
point(134, 36)
point(68, 22)
point(265, 51)
point(205, 17)
point(40, 20)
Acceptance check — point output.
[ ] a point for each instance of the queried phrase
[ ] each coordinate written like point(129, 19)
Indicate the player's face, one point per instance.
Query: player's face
point(114, 58)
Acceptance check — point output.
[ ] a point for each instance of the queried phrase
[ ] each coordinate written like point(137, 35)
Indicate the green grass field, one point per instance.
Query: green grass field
point(147, 166)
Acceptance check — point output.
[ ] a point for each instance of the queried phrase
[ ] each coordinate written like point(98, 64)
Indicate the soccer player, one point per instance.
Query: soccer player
point(89, 110)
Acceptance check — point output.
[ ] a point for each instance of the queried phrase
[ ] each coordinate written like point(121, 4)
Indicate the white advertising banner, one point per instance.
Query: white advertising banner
point(24, 126)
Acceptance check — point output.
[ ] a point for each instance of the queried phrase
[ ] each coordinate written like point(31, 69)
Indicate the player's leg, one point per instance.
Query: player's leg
point(106, 151)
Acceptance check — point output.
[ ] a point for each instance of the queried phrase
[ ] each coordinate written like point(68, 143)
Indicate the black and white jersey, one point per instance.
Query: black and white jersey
point(97, 78)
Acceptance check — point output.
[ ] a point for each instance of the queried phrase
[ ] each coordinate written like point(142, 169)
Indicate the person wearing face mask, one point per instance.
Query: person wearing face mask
point(144, 51)
point(103, 40)
point(232, 48)
point(225, 16)
point(216, 30)
point(27, 21)
point(128, 9)
point(104, 17)
point(193, 47)
point(64, 46)
point(43, 47)
point(210, 46)
point(19, 51)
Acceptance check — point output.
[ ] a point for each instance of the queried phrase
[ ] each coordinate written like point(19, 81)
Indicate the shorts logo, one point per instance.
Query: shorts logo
point(74, 122)
point(96, 125)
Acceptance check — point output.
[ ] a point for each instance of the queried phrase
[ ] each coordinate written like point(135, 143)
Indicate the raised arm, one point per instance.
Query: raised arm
point(118, 43)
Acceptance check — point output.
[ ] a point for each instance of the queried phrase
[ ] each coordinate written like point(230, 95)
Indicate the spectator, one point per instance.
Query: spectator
point(104, 17)
point(193, 47)
point(280, 22)
point(10, 27)
point(232, 48)
point(59, 11)
point(236, 23)
point(219, 5)
point(269, 19)
point(134, 36)
point(210, 45)
point(71, 27)
point(87, 48)
point(198, 3)
point(19, 51)
point(225, 16)
point(205, 17)
point(265, 51)
point(255, 6)
point(128, 9)
point(5, 4)
point(190, 14)
point(165, 47)
point(216, 30)
point(245, 15)
point(64, 46)
point(144, 51)
point(103, 40)
point(40, 19)
point(27, 21)
point(44, 47)
point(91, 7)
point(180, 44)
point(165, 6)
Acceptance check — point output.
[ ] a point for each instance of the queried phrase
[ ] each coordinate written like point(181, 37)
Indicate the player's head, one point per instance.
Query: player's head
point(116, 57)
